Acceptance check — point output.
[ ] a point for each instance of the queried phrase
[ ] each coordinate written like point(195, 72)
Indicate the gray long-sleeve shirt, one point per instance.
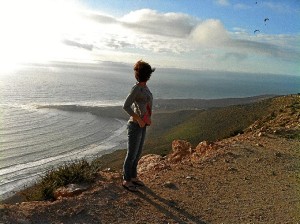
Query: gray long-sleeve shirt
point(139, 99)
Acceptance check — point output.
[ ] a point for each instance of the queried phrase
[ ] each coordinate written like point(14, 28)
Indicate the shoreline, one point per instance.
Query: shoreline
point(161, 106)
point(36, 168)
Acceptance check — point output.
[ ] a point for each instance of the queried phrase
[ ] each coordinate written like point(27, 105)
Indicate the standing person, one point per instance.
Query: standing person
point(138, 105)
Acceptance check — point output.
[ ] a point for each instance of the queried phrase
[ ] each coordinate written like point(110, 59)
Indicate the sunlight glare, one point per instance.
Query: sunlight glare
point(32, 30)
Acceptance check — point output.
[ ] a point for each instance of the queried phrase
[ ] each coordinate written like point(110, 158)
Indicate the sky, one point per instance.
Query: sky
point(223, 35)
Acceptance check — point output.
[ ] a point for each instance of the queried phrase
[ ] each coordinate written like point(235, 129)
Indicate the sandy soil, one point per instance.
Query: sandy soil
point(246, 179)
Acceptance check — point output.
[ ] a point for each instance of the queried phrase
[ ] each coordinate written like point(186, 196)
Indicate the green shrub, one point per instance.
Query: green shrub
point(75, 172)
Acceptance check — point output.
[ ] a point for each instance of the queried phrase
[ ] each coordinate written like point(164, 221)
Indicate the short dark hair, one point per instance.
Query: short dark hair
point(142, 71)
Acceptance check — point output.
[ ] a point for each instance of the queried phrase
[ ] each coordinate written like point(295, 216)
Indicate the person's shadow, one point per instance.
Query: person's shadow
point(168, 207)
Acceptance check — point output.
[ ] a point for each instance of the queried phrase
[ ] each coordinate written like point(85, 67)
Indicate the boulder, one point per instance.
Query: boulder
point(203, 147)
point(180, 150)
point(152, 162)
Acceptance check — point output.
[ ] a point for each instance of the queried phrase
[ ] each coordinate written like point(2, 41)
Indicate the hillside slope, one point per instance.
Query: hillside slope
point(252, 177)
point(198, 125)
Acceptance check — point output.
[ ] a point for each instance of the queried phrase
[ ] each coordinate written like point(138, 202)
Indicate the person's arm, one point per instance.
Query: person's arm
point(128, 103)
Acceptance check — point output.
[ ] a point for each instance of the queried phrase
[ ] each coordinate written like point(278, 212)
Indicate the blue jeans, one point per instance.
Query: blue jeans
point(136, 137)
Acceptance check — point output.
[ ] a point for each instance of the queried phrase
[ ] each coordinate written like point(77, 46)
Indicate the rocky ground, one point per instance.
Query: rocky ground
point(250, 178)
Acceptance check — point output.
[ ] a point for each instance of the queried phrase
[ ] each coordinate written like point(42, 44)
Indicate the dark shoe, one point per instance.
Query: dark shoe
point(138, 182)
point(131, 188)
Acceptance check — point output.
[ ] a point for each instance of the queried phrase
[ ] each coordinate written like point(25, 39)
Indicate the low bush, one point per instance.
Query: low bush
point(75, 172)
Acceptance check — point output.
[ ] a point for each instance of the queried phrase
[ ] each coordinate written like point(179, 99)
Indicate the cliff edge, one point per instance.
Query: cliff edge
point(252, 177)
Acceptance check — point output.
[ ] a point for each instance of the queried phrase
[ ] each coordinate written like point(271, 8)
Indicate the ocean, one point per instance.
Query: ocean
point(33, 140)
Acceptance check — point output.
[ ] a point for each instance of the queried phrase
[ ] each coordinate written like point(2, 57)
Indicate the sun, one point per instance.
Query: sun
point(32, 30)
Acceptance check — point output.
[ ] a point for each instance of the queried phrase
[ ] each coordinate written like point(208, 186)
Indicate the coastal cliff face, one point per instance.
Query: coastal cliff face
point(252, 177)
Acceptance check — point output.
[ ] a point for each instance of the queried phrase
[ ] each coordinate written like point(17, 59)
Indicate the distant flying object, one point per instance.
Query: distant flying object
point(255, 31)
point(266, 19)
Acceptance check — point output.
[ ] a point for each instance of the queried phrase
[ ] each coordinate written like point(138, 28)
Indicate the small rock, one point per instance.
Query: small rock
point(278, 154)
point(263, 129)
point(260, 134)
point(232, 169)
point(258, 159)
point(170, 185)
point(107, 169)
point(70, 190)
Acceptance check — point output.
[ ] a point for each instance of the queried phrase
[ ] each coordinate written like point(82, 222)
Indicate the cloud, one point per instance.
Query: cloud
point(146, 30)
point(222, 2)
point(116, 43)
point(88, 47)
point(238, 6)
point(177, 34)
point(165, 24)
point(99, 17)
point(241, 6)
point(267, 49)
point(149, 21)
point(279, 7)
point(235, 55)
point(210, 33)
